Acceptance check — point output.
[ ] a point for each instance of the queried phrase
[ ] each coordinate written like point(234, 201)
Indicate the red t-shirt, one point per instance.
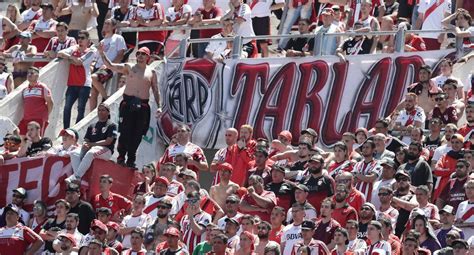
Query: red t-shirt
point(265, 216)
point(16, 239)
point(77, 74)
point(114, 202)
point(417, 43)
point(448, 116)
point(342, 215)
point(34, 103)
point(275, 234)
point(355, 199)
point(211, 14)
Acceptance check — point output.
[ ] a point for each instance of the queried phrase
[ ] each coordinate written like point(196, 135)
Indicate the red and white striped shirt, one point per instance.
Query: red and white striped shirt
point(56, 45)
point(190, 238)
point(156, 12)
point(379, 248)
point(363, 168)
point(192, 150)
point(16, 239)
point(317, 247)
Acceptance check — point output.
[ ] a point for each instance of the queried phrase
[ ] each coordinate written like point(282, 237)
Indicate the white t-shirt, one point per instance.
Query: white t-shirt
point(290, 235)
point(112, 46)
point(246, 28)
point(217, 48)
point(463, 208)
point(441, 79)
point(440, 151)
point(404, 116)
point(29, 15)
point(221, 222)
point(140, 221)
point(262, 7)
point(174, 15)
point(432, 21)
point(375, 190)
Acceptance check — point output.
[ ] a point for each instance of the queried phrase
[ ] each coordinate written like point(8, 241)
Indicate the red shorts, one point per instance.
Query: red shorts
point(23, 125)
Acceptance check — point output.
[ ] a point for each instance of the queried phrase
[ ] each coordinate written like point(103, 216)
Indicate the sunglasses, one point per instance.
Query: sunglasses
point(17, 196)
point(439, 99)
point(365, 209)
point(163, 207)
point(383, 194)
point(231, 202)
point(81, 38)
point(141, 54)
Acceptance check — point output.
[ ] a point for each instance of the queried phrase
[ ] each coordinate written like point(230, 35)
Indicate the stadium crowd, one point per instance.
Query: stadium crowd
point(404, 186)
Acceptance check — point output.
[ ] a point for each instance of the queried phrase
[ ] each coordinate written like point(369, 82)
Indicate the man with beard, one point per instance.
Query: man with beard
point(419, 169)
point(343, 211)
point(79, 207)
point(326, 225)
point(404, 200)
point(453, 193)
point(366, 215)
point(163, 221)
point(231, 211)
point(411, 115)
point(261, 167)
point(72, 221)
point(282, 188)
point(263, 230)
point(219, 192)
point(366, 171)
point(467, 128)
point(449, 131)
point(355, 197)
point(320, 185)
point(301, 195)
point(446, 165)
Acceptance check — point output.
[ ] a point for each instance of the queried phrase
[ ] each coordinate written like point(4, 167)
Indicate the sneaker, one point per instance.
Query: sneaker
point(72, 179)
point(121, 161)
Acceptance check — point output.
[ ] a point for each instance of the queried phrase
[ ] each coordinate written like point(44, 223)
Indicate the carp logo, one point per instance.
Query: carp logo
point(188, 94)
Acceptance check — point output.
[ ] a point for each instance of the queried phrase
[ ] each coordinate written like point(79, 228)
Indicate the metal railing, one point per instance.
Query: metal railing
point(38, 58)
point(318, 38)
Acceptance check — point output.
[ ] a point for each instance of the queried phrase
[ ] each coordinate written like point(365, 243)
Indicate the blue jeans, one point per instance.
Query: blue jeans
point(292, 15)
point(74, 93)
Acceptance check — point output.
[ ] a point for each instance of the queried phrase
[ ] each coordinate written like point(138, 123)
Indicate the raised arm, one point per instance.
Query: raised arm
point(116, 67)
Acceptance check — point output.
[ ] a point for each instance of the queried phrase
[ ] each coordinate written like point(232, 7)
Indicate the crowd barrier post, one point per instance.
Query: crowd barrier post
point(400, 40)
point(237, 47)
point(318, 43)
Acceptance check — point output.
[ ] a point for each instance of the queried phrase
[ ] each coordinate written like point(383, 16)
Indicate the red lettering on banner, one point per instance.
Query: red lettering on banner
point(280, 86)
point(402, 67)
point(247, 77)
point(377, 79)
point(5, 179)
point(331, 134)
point(309, 98)
point(48, 167)
point(25, 167)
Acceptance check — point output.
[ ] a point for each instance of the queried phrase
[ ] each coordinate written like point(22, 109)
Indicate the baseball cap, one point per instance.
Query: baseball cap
point(15, 139)
point(371, 206)
point(328, 11)
point(457, 136)
point(232, 220)
point(145, 50)
point(309, 131)
point(335, 7)
point(448, 209)
point(263, 151)
point(69, 237)
point(12, 207)
point(287, 134)
point(188, 172)
point(98, 224)
point(47, 6)
point(225, 167)
point(280, 168)
point(25, 34)
point(163, 180)
point(307, 224)
point(402, 172)
point(69, 131)
point(113, 225)
point(388, 161)
point(302, 187)
point(20, 191)
point(317, 158)
point(172, 231)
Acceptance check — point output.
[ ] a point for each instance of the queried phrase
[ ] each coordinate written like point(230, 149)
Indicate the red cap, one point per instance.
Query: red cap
point(145, 50)
point(162, 180)
point(328, 11)
point(98, 224)
point(172, 231)
point(225, 167)
point(286, 134)
point(113, 225)
point(70, 237)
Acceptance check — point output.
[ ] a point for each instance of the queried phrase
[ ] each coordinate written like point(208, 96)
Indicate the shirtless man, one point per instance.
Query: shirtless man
point(450, 88)
point(221, 191)
point(8, 30)
point(425, 88)
point(19, 52)
point(134, 108)
point(81, 12)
